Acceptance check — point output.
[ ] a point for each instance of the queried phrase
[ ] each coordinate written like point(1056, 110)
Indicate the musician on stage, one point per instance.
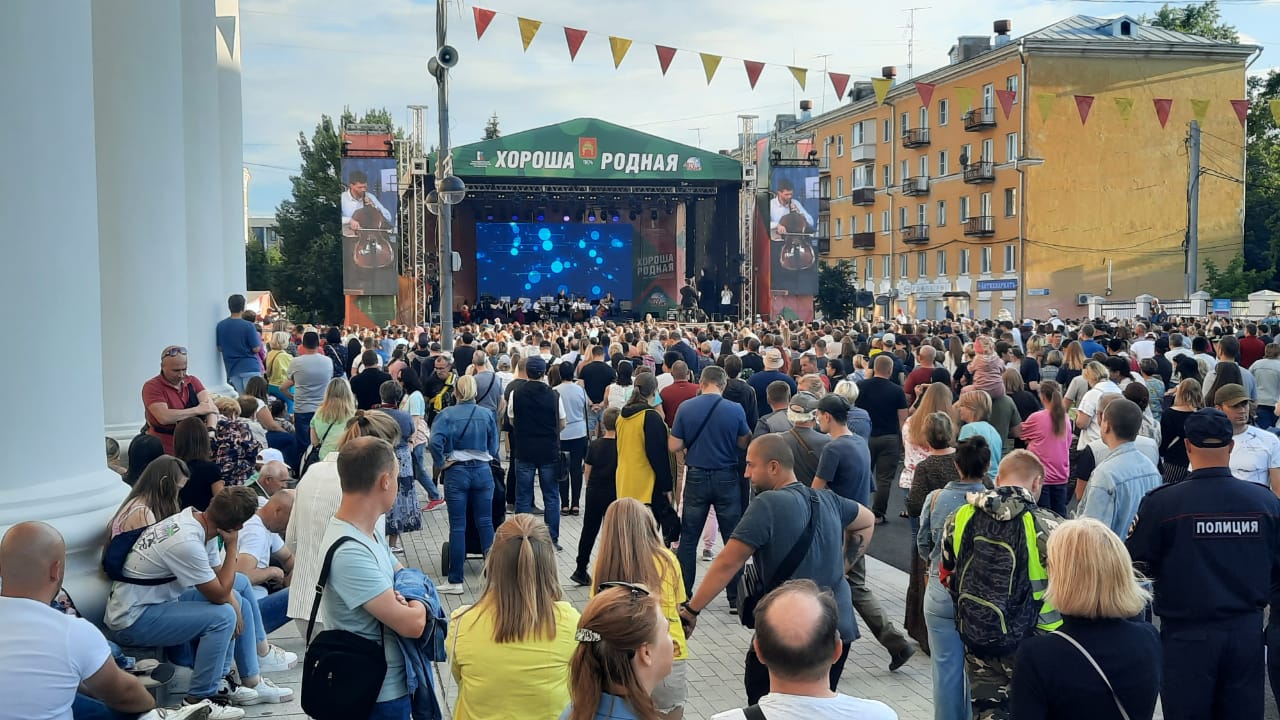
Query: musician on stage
point(783, 204)
point(357, 196)
point(689, 299)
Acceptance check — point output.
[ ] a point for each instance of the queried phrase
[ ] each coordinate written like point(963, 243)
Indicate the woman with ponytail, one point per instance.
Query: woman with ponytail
point(624, 651)
point(510, 651)
point(1048, 437)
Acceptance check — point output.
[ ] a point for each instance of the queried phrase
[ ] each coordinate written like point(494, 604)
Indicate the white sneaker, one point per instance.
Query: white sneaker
point(451, 589)
point(198, 711)
point(277, 659)
point(237, 694)
point(214, 710)
point(269, 692)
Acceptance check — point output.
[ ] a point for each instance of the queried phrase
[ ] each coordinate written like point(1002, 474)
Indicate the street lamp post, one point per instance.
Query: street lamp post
point(450, 190)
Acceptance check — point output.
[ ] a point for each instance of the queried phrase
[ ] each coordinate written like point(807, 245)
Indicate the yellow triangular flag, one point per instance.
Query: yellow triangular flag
point(1275, 110)
point(1199, 108)
point(528, 28)
point(965, 97)
point(619, 46)
point(709, 64)
point(799, 74)
point(1124, 106)
point(1045, 102)
point(881, 85)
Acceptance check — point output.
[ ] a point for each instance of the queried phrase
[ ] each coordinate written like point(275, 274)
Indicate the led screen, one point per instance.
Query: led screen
point(537, 259)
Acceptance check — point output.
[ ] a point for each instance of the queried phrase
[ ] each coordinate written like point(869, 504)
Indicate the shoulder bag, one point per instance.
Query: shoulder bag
point(343, 672)
point(698, 433)
point(808, 450)
point(1120, 707)
point(752, 586)
point(313, 453)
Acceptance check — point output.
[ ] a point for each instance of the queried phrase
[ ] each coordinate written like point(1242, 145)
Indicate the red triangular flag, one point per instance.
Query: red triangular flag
point(483, 18)
point(925, 91)
point(1242, 110)
point(839, 81)
point(665, 55)
point(1163, 106)
point(1006, 98)
point(753, 71)
point(574, 37)
point(1083, 103)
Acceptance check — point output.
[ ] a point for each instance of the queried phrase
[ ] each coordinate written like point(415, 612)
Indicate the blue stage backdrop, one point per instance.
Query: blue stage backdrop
point(536, 259)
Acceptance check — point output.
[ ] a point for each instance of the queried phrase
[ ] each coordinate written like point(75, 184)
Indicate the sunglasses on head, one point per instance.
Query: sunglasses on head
point(172, 350)
point(637, 590)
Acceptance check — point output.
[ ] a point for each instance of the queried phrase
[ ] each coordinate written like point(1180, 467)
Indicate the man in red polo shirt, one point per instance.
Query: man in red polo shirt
point(173, 396)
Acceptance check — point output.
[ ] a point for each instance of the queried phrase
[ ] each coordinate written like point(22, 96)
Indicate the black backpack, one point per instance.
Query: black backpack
point(339, 367)
point(117, 551)
point(995, 606)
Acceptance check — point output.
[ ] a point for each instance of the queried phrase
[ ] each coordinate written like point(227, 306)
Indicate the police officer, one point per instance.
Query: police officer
point(1211, 545)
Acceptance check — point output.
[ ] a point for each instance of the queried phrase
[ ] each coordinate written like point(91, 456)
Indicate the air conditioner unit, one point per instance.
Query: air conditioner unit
point(1083, 298)
point(748, 172)
point(419, 166)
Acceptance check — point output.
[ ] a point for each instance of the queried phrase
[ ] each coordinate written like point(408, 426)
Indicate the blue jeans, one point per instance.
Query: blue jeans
point(422, 473)
point(88, 708)
point(593, 419)
point(1055, 497)
point(702, 490)
point(1266, 416)
point(550, 483)
point(398, 709)
point(239, 381)
point(274, 610)
point(287, 397)
point(302, 428)
point(468, 484)
point(946, 658)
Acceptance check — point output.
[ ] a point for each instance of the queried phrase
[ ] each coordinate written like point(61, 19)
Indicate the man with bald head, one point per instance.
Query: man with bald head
point(785, 515)
point(48, 655)
point(798, 640)
point(265, 559)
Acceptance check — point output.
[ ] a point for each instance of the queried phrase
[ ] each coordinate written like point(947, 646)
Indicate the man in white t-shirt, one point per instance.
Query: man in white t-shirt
point(798, 639)
point(1087, 420)
point(215, 606)
point(48, 655)
point(1255, 456)
point(266, 561)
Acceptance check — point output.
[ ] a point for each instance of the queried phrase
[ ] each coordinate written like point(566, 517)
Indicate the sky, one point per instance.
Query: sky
point(305, 58)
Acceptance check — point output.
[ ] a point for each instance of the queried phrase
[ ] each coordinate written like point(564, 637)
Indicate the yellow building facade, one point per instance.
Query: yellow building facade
point(959, 204)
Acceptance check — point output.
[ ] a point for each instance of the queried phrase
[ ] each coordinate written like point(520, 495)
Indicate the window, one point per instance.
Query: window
point(888, 133)
point(1010, 202)
point(885, 227)
point(906, 123)
point(906, 170)
point(924, 166)
point(839, 228)
point(943, 108)
point(902, 217)
point(864, 176)
point(988, 92)
point(903, 264)
point(942, 263)
point(924, 117)
point(887, 267)
point(1011, 147)
point(944, 168)
point(1010, 258)
point(824, 187)
point(964, 208)
point(922, 214)
point(888, 176)
point(985, 203)
point(857, 133)
point(853, 225)
point(966, 155)
point(942, 213)
point(853, 269)
point(986, 260)
point(840, 187)
point(1011, 83)
point(922, 264)
point(853, 179)
point(839, 146)
point(871, 222)
point(871, 267)
point(964, 261)
point(988, 150)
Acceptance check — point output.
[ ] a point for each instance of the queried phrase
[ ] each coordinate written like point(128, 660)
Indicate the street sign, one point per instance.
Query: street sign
point(1037, 292)
point(1221, 307)
point(997, 285)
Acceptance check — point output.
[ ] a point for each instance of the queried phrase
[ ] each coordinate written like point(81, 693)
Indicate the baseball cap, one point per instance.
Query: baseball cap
point(802, 406)
point(1208, 428)
point(773, 359)
point(270, 455)
point(535, 366)
point(889, 339)
point(1230, 394)
point(834, 405)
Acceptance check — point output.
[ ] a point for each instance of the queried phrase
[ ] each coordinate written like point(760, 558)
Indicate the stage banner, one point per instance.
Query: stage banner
point(655, 275)
point(793, 228)
point(370, 207)
point(586, 149)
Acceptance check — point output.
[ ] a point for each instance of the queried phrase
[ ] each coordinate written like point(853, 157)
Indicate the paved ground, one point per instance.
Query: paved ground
point(718, 647)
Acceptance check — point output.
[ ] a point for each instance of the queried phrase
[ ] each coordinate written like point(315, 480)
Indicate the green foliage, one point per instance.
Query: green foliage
point(258, 266)
point(1262, 181)
point(1203, 19)
point(491, 130)
point(836, 293)
point(1233, 281)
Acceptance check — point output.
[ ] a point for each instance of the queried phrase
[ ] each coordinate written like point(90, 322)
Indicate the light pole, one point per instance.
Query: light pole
point(450, 190)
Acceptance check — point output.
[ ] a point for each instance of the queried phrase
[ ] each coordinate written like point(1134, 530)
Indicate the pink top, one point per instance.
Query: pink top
point(988, 374)
point(1054, 452)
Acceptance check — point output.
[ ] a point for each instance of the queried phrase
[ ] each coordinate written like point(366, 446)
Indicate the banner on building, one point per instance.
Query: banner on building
point(793, 230)
point(370, 243)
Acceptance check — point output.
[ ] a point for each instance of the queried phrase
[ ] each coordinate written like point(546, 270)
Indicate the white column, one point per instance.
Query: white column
point(231, 145)
point(137, 83)
point(206, 290)
point(54, 467)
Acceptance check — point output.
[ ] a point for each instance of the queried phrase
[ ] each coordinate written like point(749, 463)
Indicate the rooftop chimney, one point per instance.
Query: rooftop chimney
point(1002, 28)
point(889, 71)
point(806, 110)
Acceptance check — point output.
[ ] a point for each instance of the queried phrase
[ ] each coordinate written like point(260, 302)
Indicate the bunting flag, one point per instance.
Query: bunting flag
point(881, 86)
point(528, 28)
point(964, 96)
point(665, 55)
point(709, 64)
point(799, 73)
point(619, 46)
point(1242, 111)
point(753, 71)
point(1124, 106)
point(1083, 104)
point(1275, 110)
point(839, 81)
point(483, 18)
point(925, 91)
point(1045, 101)
point(1006, 98)
point(1199, 108)
point(574, 38)
point(1163, 106)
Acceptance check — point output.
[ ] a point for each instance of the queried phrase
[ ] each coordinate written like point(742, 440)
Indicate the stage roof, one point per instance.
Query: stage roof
point(588, 149)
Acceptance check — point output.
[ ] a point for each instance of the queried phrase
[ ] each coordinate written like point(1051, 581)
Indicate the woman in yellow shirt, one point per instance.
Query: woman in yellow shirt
point(510, 651)
point(278, 361)
point(632, 552)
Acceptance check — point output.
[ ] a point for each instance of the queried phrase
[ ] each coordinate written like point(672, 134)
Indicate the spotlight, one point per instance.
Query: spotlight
point(566, 218)
point(633, 214)
point(615, 217)
point(653, 215)
point(541, 217)
point(591, 217)
point(489, 217)
point(515, 218)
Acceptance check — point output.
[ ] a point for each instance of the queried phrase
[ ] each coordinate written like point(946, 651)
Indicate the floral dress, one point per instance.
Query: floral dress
point(405, 516)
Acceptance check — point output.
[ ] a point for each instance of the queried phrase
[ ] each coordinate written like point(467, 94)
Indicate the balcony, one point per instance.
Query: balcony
point(979, 119)
point(824, 245)
point(864, 241)
point(824, 204)
point(863, 154)
point(915, 186)
point(864, 196)
point(918, 137)
point(824, 163)
point(983, 171)
point(980, 225)
point(915, 233)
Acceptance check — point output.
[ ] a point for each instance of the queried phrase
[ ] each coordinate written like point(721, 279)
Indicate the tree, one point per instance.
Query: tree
point(309, 279)
point(1233, 281)
point(491, 131)
point(257, 266)
point(1203, 19)
point(1262, 180)
point(837, 294)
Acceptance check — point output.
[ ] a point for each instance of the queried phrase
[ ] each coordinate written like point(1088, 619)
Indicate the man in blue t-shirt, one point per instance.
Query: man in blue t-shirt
point(774, 363)
point(239, 343)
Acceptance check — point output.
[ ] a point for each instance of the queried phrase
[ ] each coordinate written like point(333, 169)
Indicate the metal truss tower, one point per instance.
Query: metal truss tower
point(747, 206)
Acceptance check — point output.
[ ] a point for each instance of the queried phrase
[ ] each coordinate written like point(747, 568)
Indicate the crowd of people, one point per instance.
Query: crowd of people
point(1063, 482)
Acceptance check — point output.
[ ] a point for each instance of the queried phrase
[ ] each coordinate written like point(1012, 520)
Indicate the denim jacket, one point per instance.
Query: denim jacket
point(937, 507)
point(1116, 487)
point(465, 426)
